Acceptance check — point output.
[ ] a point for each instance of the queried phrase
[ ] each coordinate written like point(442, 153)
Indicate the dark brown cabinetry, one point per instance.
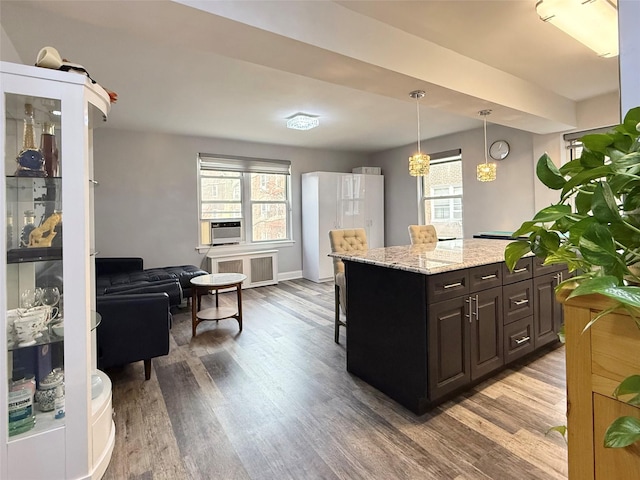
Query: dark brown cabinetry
point(547, 312)
point(423, 338)
point(465, 332)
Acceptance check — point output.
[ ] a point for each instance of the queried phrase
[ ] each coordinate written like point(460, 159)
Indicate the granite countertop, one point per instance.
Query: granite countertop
point(433, 258)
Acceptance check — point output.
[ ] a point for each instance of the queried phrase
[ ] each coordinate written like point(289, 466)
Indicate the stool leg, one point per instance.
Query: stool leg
point(337, 313)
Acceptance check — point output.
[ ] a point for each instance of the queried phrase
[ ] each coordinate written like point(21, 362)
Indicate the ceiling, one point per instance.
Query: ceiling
point(237, 69)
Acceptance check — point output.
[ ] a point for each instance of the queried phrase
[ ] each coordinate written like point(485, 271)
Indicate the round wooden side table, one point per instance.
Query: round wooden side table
point(214, 282)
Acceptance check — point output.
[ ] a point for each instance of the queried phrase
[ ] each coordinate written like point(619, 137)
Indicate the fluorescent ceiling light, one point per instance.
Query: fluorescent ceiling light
point(302, 121)
point(592, 22)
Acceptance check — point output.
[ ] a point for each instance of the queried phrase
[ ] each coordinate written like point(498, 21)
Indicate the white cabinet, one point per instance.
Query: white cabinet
point(78, 443)
point(333, 200)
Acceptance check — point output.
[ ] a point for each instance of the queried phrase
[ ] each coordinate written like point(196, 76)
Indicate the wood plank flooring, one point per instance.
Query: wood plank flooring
point(276, 402)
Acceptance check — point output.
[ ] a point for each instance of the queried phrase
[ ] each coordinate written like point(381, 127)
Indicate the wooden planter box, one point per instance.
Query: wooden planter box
point(597, 361)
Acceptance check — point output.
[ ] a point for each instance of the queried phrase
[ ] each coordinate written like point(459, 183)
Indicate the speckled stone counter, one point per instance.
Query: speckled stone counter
point(434, 258)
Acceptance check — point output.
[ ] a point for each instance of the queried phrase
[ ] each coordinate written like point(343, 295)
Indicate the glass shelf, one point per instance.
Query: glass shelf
point(33, 254)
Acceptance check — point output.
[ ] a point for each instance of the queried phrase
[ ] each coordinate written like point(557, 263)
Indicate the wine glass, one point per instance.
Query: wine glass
point(30, 297)
point(51, 296)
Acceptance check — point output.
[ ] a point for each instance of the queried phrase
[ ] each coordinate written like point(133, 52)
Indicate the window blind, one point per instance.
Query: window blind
point(230, 163)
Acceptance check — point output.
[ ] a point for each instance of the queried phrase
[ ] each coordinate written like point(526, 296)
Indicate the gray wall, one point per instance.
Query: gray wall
point(500, 205)
point(146, 203)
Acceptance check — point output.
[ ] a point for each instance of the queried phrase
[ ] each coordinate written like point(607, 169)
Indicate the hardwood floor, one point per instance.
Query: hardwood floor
point(276, 402)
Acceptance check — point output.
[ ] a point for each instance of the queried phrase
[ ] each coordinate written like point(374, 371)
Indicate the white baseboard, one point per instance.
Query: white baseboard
point(282, 276)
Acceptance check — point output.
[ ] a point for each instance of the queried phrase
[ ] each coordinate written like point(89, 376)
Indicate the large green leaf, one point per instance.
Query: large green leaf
point(597, 246)
point(629, 386)
point(594, 285)
point(543, 242)
point(597, 142)
point(608, 286)
point(514, 252)
point(590, 159)
point(585, 177)
point(578, 229)
point(626, 161)
point(583, 200)
point(564, 224)
point(623, 181)
point(625, 235)
point(603, 204)
point(552, 213)
point(632, 200)
point(623, 432)
point(549, 174)
point(526, 227)
point(631, 120)
point(571, 168)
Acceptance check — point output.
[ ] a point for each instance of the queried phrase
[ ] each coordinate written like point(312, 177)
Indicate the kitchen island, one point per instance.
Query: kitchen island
point(425, 322)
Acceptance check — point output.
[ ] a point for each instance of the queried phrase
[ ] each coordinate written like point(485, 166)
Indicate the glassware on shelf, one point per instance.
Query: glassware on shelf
point(30, 159)
point(31, 297)
point(49, 150)
point(50, 296)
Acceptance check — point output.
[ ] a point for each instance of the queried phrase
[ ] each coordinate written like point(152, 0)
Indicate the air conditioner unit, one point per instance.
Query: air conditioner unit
point(226, 231)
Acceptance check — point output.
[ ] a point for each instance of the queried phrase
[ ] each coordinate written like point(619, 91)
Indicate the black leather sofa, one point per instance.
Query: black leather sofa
point(134, 327)
point(127, 275)
point(135, 306)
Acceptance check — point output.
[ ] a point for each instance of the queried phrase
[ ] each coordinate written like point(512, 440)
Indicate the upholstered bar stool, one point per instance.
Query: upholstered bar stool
point(344, 241)
point(422, 234)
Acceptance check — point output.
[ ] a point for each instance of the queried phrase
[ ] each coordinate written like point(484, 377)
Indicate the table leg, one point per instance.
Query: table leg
point(239, 293)
point(195, 303)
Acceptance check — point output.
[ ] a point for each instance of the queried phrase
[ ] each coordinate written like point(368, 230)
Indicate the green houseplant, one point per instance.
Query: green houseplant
point(595, 230)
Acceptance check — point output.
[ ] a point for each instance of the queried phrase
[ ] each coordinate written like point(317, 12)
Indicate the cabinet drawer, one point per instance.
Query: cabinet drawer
point(444, 286)
point(540, 269)
point(485, 276)
point(517, 301)
point(518, 339)
point(522, 271)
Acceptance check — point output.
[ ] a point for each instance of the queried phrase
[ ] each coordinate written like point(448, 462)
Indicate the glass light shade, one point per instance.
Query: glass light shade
point(486, 172)
point(594, 23)
point(302, 122)
point(419, 165)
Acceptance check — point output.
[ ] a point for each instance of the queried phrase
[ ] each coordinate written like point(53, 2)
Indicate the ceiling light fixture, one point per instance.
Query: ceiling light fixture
point(592, 22)
point(418, 163)
point(302, 121)
point(486, 171)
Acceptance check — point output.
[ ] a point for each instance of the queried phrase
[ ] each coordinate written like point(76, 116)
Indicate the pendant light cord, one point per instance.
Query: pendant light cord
point(484, 114)
point(418, 114)
point(485, 140)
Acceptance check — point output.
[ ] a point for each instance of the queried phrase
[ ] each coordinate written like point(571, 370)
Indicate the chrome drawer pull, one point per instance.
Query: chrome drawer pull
point(487, 277)
point(520, 270)
point(521, 302)
point(522, 340)
point(451, 285)
point(468, 309)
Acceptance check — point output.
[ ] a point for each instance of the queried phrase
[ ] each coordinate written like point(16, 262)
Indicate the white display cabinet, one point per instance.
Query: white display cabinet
point(333, 200)
point(75, 440)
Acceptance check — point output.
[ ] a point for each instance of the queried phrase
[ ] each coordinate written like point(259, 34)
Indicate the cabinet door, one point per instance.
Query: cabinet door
point(547, 311)
point(449, 346)
point(486, 332)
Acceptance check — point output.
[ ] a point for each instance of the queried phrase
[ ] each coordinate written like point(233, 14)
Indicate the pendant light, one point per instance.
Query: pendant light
point(418, 163)
point(486, 172)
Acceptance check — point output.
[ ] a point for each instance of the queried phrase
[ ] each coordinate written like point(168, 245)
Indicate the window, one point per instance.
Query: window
point(255, 191)
point(441, 194)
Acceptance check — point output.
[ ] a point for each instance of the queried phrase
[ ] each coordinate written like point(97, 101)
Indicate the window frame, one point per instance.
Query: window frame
point(441, 158)
point(245, 167)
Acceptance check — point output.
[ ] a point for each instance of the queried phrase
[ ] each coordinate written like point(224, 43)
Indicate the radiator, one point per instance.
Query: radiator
point(261, 268)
